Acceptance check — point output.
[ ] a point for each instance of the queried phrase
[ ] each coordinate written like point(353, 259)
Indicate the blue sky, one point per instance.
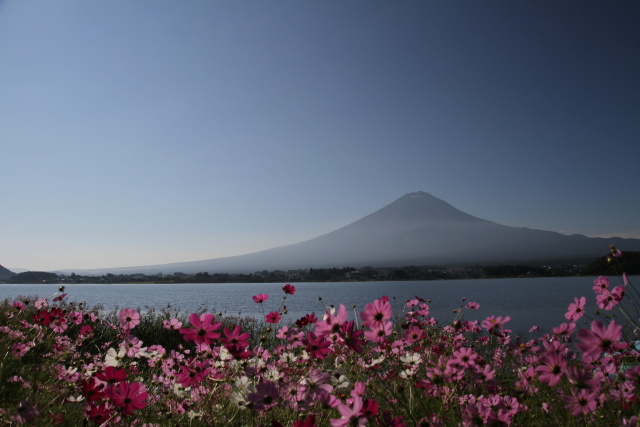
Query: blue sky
point(147, 132)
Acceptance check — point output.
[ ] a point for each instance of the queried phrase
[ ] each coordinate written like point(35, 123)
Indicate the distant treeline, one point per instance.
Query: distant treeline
point(629, 263)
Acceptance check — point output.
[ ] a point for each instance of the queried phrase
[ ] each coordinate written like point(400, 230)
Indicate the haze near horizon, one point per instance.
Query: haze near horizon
point(151, 132)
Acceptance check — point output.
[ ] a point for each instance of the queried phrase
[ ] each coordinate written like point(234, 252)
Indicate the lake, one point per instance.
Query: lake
point(535, 301)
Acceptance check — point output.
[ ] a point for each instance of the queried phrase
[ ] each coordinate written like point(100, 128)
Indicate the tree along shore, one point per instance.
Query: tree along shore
point(629, 263)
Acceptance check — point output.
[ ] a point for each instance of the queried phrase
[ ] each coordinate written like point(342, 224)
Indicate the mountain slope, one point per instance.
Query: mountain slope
point(6, 274)
point(416, 229)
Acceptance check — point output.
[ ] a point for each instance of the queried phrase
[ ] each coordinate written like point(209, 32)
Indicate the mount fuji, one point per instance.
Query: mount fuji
point(416, 229)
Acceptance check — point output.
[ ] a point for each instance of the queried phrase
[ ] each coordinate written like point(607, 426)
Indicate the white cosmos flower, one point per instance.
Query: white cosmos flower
point(411, 359)
point(113, 357)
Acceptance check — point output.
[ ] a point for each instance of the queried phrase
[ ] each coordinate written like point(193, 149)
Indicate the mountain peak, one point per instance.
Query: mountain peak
point(424, 206)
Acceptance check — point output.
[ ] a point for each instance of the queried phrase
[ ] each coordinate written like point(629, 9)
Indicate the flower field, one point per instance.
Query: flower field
point(66, 364)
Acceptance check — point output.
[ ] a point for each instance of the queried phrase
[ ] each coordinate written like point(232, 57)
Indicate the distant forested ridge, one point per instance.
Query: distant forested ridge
point(629, 263)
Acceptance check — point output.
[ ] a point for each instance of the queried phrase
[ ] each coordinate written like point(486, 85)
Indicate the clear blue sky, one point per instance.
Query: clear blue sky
point(152, 131)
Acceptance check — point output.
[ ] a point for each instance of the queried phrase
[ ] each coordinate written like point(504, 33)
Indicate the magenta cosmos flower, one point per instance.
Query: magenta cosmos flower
point(600, 338)
point(204, 329)
point(288, 289)
point(273, 317)
point(260, 298)
point(129, 318)
point(128, 397)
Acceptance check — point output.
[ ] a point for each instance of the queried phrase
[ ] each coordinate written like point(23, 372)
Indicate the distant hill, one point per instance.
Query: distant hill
point(416, 229)
point(5, 274)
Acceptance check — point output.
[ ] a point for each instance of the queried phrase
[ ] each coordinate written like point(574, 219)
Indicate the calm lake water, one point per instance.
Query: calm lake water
point(537, 301)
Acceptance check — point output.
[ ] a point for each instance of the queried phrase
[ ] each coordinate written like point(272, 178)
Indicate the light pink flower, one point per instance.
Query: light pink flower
point(129, 318)
point(331, 324)
point(350, 415)
point(172, 324)
point(378, 334)
point(376, 313)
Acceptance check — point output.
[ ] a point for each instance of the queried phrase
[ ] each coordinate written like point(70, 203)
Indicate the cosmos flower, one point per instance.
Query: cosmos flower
point(128, 396)
point(260, 298)
point(129, 318)
point(203, 331)
point(576, 309)
point(376, 313)
point(273, 317)
point(599, 338)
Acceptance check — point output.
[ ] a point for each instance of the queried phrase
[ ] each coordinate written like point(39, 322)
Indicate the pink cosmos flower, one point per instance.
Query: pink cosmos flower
point(260, 298)
point(600, 338)
point(492, 322)
point(378, 334)
point(581, 401)
point(350, 415)
point(235, 339)
point(600, 284)
point(551, 367)
point(288, 289)
point(204, 329)
point(464, 357)
point(606, 300)
point(129, 318)
point(376, 313)
point(331, 324)
point(19, 305)
point(128, 397)
point(273, 317)
point(576, 309)
point(19, 349)
point(413, 334)
point(192, 374)
point(472, 305)
point(41, 303)
point(75, 317)
point(172, 324)
point(565, 330)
